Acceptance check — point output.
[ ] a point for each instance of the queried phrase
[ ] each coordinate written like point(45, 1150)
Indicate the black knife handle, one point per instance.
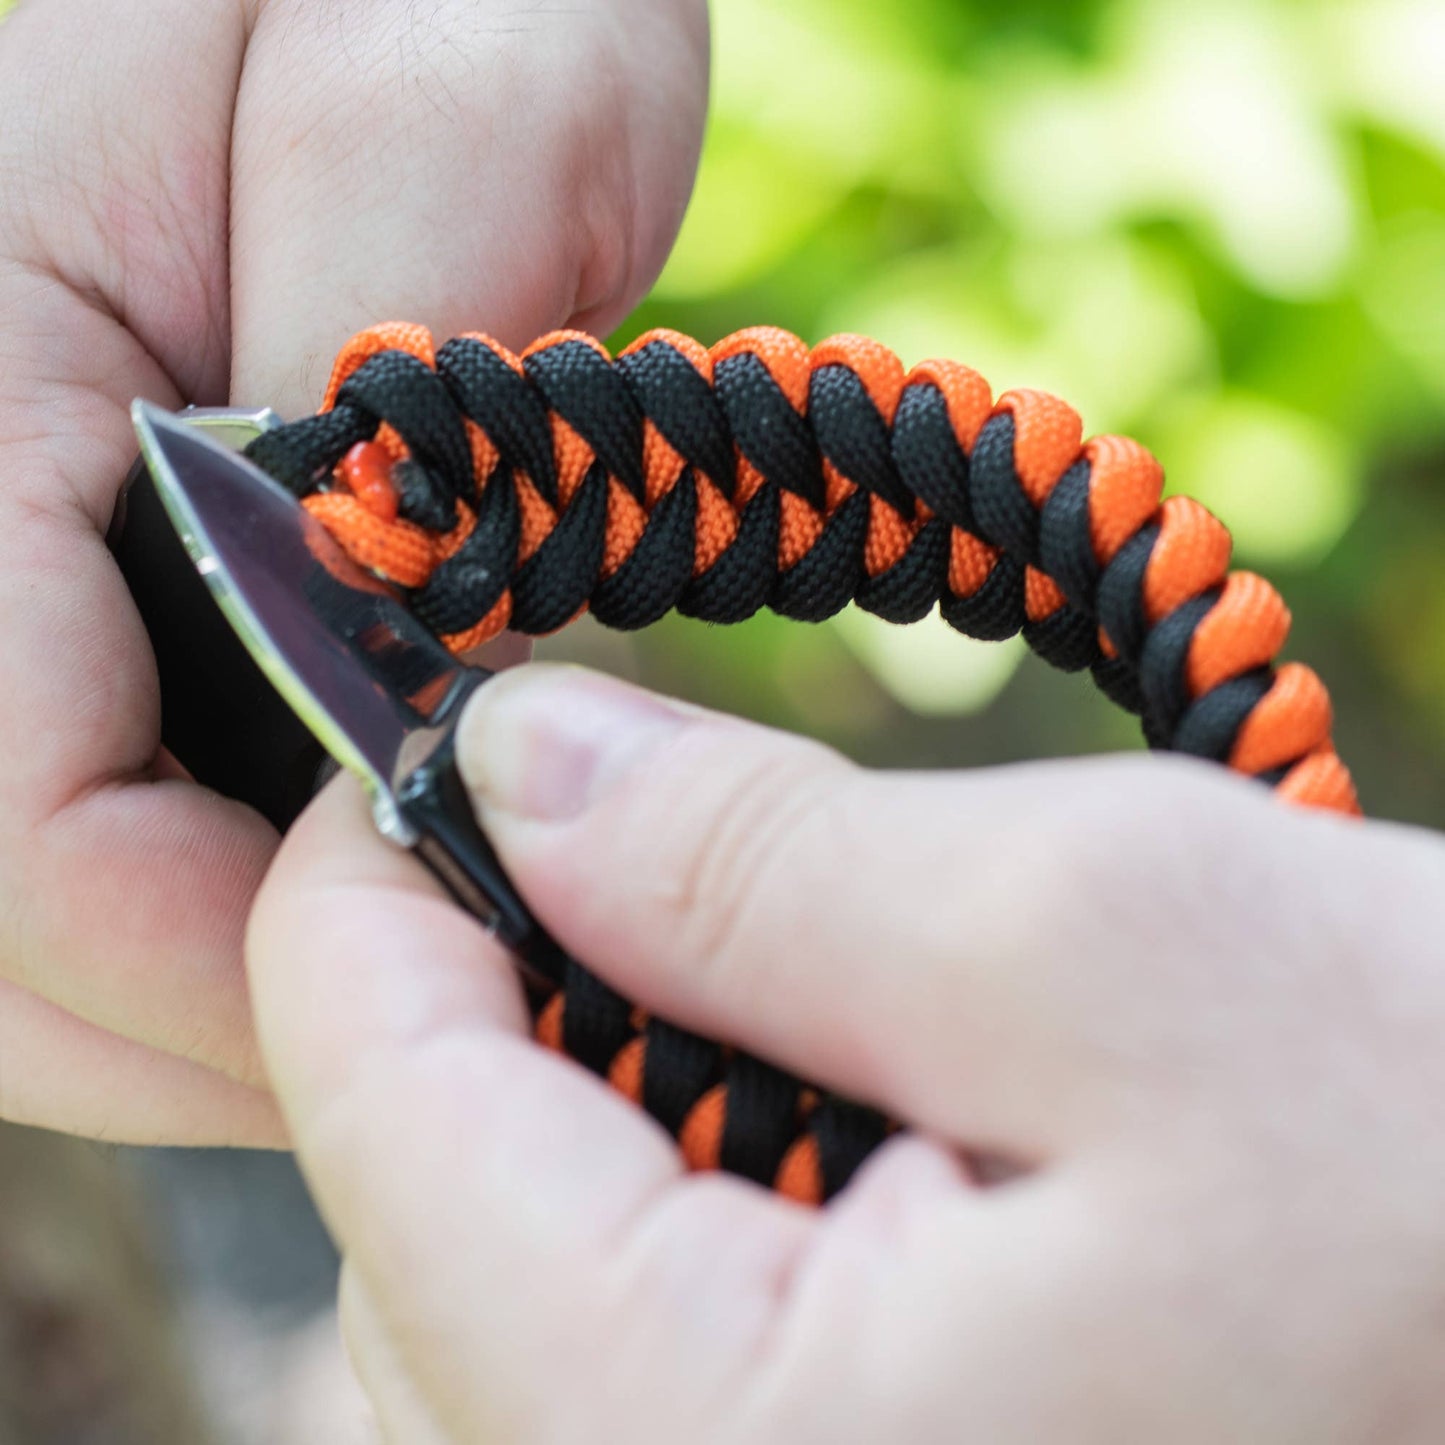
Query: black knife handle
point(433, 801)
point(220, 717)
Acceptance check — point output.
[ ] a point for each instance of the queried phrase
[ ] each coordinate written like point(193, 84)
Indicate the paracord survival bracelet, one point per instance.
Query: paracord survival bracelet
point(501, 491)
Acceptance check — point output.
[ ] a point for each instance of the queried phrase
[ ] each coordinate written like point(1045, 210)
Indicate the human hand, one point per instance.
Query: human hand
point(1199, 1028)
point(203, 200)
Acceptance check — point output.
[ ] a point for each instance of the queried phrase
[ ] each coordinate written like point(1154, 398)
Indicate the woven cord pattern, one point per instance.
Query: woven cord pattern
point(500, 491)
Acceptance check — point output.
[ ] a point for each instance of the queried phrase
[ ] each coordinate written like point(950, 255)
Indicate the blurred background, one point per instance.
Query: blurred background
point(1219, 228)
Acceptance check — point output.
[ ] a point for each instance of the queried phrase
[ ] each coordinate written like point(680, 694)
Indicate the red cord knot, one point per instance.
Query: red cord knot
point(366, 470)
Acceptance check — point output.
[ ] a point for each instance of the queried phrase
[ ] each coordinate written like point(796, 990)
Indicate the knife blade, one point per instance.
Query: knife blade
point(220, 718)
point(368, 680)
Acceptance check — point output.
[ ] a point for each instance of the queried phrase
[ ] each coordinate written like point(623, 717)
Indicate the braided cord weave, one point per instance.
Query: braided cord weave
point(502, 491)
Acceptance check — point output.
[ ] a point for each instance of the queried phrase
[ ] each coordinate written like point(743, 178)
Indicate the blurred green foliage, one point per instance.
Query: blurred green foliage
point(1220, 228)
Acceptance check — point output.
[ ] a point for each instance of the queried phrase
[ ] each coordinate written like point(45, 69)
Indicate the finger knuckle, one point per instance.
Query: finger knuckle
point(1163, 846)
point(761, 819)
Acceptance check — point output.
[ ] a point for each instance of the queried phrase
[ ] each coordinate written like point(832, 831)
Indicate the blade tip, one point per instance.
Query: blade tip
point(147, 418)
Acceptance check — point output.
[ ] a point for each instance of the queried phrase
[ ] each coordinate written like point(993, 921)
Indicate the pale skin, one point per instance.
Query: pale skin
point(1205, 1027)
point(511, 164)
point(1201, 1029)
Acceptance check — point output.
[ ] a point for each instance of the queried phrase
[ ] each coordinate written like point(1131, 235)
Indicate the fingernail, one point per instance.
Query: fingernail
point(543, 742)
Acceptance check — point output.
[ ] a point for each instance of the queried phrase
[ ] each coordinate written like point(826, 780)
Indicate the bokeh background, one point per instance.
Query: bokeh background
point(1220, 228)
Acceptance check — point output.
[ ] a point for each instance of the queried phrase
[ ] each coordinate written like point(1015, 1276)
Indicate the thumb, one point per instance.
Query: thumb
point(871, 932)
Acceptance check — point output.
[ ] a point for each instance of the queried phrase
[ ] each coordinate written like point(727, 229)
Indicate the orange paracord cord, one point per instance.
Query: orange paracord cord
point(515, 491)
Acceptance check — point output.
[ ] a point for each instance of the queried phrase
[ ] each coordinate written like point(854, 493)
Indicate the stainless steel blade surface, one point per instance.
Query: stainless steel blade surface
point(359, 670)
